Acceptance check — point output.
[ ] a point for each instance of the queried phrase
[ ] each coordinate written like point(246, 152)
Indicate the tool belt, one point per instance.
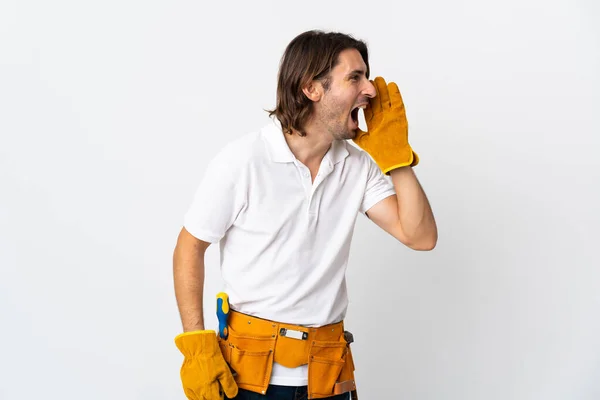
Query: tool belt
point(253, 344)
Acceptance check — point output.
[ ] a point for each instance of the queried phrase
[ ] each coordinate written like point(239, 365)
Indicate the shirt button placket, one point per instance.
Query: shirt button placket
point(309, 193)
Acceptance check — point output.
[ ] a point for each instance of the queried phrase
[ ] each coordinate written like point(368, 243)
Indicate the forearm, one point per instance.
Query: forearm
point(188, 275)
point(414, 211)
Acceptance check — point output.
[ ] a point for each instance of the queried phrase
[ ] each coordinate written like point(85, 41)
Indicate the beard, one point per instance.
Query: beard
point(344, 133)
point(336, 120)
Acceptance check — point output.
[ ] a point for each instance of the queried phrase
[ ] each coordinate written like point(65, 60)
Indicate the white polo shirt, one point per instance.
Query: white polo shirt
point(284, 240)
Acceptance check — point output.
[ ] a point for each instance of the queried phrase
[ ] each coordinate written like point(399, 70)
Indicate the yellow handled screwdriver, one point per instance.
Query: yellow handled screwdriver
point(222, 314)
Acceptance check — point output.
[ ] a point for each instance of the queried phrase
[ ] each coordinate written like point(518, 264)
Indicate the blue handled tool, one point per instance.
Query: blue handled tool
point(223, 313)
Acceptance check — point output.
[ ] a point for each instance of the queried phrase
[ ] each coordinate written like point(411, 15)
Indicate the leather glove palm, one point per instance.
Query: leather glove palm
point(386, 139)
point(204, 371)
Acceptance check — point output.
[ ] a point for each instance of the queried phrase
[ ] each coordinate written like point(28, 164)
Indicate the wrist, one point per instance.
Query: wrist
point(193, 324)
point(193, 328)
point(404, 170)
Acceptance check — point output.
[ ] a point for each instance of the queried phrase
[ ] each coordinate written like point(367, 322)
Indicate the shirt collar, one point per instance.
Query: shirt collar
point(280, 152)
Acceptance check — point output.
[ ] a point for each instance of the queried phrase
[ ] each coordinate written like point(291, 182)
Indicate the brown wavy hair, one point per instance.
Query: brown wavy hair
point(309, 56)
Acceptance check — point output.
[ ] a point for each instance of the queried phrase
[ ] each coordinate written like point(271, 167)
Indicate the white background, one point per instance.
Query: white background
point(110, 111)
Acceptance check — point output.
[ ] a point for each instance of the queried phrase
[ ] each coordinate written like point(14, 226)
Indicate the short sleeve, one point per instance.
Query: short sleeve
point(378, 186)
point(217, 201)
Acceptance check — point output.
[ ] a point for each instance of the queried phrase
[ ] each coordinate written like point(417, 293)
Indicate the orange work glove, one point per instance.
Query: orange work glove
point(386, 139)
point(204, 371)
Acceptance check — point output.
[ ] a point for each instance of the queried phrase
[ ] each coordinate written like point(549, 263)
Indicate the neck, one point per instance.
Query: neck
point(309, 149)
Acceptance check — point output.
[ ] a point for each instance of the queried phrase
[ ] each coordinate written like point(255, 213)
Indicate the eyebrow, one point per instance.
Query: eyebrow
point(357, 71)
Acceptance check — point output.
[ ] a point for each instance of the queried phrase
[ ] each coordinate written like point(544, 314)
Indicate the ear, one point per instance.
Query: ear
point(314, 90)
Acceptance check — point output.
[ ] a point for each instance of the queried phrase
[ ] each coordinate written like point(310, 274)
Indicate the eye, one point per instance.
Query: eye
point(354, 78)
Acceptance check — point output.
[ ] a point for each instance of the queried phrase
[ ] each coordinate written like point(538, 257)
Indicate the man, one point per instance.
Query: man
point(282, 202)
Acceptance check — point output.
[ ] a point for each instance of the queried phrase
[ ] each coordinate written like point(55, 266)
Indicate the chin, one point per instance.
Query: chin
point(351, 134)
point(341, 132)
point(346, 135)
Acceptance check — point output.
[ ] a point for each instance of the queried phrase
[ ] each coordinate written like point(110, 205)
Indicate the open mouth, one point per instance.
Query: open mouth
point(354, 114)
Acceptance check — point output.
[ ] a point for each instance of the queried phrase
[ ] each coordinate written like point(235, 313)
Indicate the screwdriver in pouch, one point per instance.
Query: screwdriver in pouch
point(222, 313)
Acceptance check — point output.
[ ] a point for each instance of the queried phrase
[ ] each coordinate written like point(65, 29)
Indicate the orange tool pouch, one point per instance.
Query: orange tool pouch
point(254, 343)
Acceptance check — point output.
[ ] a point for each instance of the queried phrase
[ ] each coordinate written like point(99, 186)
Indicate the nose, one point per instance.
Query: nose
point(370, 91)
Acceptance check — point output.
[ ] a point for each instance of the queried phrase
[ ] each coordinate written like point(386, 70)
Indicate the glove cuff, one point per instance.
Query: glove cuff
point(412, 161)
point(194, 343)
